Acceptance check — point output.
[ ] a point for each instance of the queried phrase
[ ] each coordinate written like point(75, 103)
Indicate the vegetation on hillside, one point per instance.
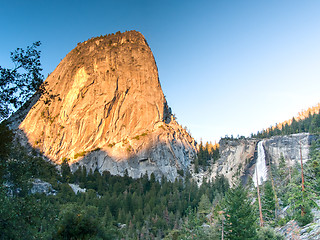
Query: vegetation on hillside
point(284, 198)
point(207, 154)
point(305, 123)
point(112, 207)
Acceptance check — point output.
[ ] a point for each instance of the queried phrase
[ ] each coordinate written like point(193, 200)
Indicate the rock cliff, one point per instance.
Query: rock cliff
point(236, 159)
point(105, 109)
point(289, 147)
point(238, 156)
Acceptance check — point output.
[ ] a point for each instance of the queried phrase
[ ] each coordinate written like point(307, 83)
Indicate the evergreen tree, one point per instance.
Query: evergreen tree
point(267, 233)
point(312, 168)
point(79, 223)
point(310, 123)
point(268, 202)
point(6, 136)
point(65, 170)
point(204, 205)
point(282, 169)
point(240, 218)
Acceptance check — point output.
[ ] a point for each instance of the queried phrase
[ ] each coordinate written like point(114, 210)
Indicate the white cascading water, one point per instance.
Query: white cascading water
point(261, 166)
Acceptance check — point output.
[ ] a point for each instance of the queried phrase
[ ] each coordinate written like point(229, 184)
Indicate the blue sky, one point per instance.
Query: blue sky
point(226, 67)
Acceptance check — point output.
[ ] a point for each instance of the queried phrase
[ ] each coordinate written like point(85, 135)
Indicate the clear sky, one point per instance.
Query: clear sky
point(226, 67)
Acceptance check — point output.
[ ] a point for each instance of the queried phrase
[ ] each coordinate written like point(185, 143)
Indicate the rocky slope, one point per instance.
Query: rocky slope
point(105, 109)
point(292, 230)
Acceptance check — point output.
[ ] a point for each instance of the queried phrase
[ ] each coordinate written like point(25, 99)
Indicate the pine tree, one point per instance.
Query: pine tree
point(6, 137)
point(240, 218)
point(268, 202)
point(65, 170)
point(282, 168)
point(204, 205)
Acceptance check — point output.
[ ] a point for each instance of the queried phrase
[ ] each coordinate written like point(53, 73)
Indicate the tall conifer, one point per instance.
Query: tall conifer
point(240, 218)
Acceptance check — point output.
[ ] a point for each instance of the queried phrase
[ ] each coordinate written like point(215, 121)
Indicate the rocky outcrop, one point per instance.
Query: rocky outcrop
point(104, 108)
point(77, 189)
point(236, 158)
point(289, 147)
point(39, 186)
point(310, 231)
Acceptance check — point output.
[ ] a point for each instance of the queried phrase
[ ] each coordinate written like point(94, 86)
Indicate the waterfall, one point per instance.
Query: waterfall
point(261, 166)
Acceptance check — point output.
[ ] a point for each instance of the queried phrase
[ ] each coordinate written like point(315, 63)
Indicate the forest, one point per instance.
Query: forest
point(115, 207)
point(112, 207)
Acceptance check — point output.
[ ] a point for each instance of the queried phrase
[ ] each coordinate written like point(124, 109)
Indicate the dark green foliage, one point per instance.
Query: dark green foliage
point(312, 168)
point(192, 229)
point(299, 202)
point(267, 233)
point(66, 175)
point(306, 200)
point(268, 202)
point(283, 171)
point(26, 217)
point(17, 87)
point(6, 136)
point(221, 184)
point(206, 155)
point(240, 216)
point(204, 205)
point(307, 217)
point(5, 146)
point(20, 167)
point(80, 223)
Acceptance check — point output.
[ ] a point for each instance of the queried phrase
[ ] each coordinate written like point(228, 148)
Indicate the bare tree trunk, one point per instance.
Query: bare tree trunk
point(222, 231)
point(302, 181)
point(222, 218)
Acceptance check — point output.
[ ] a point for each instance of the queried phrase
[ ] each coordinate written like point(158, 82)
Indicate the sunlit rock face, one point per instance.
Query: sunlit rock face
point(109, 111)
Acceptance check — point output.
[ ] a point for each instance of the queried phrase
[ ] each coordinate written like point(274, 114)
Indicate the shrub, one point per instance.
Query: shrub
point(81, 154)
point(111, 145)
point(267, 233)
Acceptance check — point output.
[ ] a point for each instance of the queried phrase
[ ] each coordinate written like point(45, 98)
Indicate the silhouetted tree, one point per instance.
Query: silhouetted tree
point(18, 84)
